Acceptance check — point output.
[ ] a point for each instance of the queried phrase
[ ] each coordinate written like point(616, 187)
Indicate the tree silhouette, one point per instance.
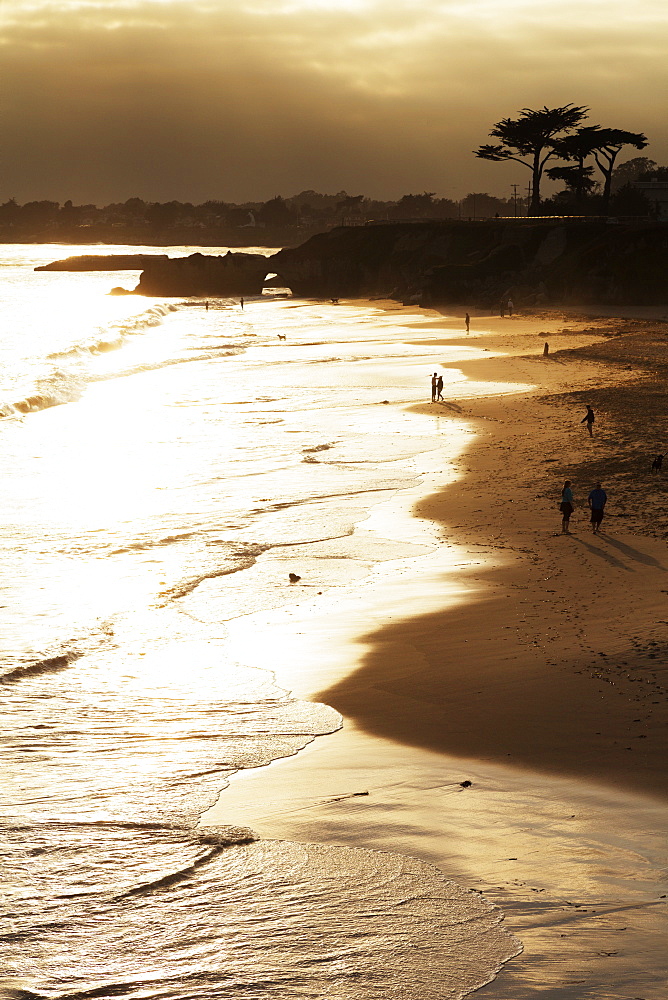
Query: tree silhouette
point(532, 135)
point(415, 206)
point(606, 145)
point(575, 148)
point(631, 170)
point(578, 180)
point(351, 203)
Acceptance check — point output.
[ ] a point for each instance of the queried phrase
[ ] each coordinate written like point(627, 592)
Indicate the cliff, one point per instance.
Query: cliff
point(536, 261)
point(439, 262)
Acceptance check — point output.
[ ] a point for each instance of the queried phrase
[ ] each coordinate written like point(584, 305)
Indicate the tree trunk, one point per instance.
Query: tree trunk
point(579, 191)
point(535, 186)
point(607, 173)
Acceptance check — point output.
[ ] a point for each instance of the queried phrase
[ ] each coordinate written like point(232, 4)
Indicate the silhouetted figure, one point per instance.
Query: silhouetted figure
point(566, 506)
point(546, 349)
point(589, 420)
point(439, 387)
point(502, 309)
point(510, 307)
point(241, 301)
point(434, 387)
point(597, 500)
point(206, 305)
point(657, 463)
point(467, 320)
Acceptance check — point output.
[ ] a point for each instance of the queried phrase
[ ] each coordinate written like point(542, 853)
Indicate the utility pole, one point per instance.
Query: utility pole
point(514, 187)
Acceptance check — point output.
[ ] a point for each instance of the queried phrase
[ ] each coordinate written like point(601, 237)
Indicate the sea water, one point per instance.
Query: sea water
point(165, 467)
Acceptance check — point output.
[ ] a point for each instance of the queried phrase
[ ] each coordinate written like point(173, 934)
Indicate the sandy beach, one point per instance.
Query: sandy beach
point(528, 663)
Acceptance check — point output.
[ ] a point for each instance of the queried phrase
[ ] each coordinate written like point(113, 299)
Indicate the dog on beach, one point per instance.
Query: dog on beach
point(282, 336)
point(657, 463)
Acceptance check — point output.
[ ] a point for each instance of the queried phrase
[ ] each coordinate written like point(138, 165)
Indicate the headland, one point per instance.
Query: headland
point(537, 262)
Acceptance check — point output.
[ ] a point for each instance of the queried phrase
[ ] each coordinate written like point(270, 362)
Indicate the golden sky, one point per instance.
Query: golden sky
point(103, 100)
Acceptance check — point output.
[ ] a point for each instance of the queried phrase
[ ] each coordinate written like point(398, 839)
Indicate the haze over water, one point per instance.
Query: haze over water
point(164, 469)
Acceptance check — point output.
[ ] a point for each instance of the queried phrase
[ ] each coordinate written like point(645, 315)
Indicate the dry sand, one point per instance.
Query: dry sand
point(528, 662)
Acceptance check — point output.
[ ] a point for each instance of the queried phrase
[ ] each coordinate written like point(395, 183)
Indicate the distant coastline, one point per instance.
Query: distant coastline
point(271, 237)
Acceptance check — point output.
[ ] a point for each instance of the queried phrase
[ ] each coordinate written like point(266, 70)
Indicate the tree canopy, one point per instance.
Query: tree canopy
point(607, 144)
point(530, 140)
point(538, 136)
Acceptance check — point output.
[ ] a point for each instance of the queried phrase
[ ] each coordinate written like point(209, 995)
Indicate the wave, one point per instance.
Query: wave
point(166, 363)
point(59, 387)
point(115, 336)
point(319, 447)
point(217, 838)
point(171, 878)
point(66, 385)
point(49, 665)
point(153, 543)
point(245, 558)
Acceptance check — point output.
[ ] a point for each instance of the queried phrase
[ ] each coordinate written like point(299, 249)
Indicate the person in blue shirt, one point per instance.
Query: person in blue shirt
point(566, 506)
point(597, 500)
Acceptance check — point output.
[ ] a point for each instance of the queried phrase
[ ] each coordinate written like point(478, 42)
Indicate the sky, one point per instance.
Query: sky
point(237, 100)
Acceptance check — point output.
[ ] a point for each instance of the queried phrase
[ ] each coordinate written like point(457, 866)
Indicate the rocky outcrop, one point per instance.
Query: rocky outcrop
point(557, 261)
point(205, 274)
point(104, 262)
point(534, 260)
point(364, 260)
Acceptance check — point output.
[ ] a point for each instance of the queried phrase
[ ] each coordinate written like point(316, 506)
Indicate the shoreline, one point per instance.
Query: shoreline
point(545, 723)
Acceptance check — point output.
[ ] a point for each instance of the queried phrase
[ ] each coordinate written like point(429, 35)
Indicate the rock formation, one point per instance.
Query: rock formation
point(200, 274)
point(556, 260)
point(108, 262)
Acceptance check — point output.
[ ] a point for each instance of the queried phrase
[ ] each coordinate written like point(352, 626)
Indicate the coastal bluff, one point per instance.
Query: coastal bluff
point(537, 261)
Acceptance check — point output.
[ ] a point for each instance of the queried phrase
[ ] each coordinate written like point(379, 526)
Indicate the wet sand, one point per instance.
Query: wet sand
point(528, 662)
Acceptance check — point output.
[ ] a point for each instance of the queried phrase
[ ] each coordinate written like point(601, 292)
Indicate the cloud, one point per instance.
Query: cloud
point(238, 100)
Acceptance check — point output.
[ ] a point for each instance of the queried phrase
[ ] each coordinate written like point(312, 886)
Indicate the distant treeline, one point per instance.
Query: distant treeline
point(139, 221)
point(305, 209)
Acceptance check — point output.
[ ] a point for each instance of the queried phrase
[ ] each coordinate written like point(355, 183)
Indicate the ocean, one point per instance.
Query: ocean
point(165, 468)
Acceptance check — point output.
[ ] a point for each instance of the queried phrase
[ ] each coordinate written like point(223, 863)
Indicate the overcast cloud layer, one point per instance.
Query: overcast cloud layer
point(244, 99)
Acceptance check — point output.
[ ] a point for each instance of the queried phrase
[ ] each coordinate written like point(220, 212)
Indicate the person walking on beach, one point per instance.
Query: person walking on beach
point(241, 301)
point(467, 320)
point(589, 418)
point(510, 307)
point(597, 500)
point(439, 388)
point(502, 309)
point(566, 507)
point(434, 387)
